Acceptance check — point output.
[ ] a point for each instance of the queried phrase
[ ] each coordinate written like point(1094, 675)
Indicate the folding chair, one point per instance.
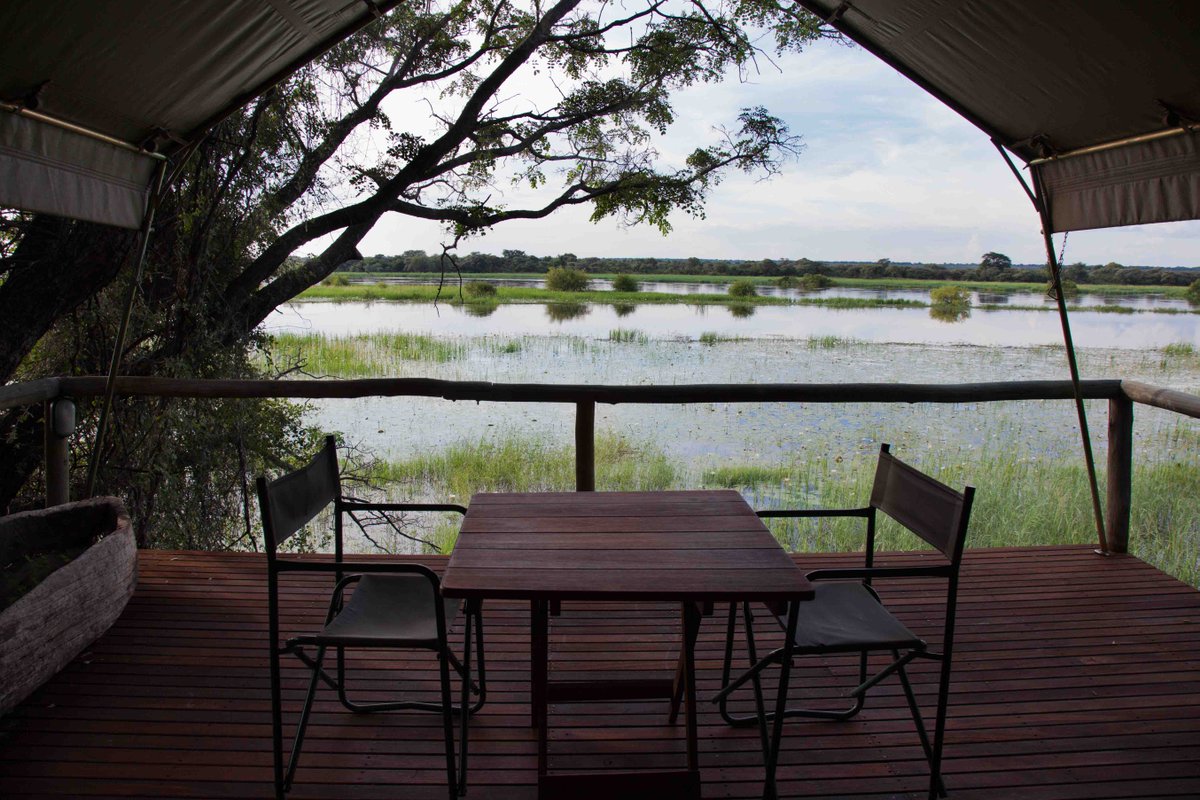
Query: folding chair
point(847, 615)
point(394, 606)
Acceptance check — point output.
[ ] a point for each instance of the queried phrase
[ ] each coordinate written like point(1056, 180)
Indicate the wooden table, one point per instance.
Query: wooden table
point(694, 548)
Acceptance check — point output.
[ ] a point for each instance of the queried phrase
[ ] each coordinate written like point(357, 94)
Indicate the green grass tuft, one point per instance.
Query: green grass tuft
point(364, 355)
point(627, 336)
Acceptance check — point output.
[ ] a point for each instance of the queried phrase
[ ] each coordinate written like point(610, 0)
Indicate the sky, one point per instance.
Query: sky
point(886, 172)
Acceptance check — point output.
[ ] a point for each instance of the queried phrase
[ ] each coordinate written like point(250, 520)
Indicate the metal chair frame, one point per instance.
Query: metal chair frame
point(324, 470)
point(952, 548)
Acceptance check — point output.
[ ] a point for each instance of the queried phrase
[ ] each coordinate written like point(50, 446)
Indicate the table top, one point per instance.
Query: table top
point(686, 545)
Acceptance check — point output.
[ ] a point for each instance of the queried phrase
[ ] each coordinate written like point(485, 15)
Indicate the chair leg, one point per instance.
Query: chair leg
point(297, 743)
point(276, 720)
point(759, 704)
point(936, 786)
point(448, 724)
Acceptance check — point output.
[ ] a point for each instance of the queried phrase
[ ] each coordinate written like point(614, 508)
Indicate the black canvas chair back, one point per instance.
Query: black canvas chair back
point(292, 501)
point(847, 616)
point(390, 605)
point(927, 507)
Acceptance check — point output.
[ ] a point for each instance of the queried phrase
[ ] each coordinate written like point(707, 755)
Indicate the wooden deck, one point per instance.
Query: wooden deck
point(1076, 676)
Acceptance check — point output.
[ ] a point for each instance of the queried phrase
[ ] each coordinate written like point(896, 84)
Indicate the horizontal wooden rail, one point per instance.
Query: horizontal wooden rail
point(1120, 394)
point(15, 395)
point(584, 393)
point(1170, 399)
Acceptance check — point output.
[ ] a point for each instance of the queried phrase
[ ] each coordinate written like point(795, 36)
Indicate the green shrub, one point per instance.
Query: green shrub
point(742, 288)
point(336, 280)
point(566, 279)
point(1070, 289)
point(479, 289)
point(1193, 292)
point(815, 281)
point(786, 282)
point(624, 283)
point(950, 296)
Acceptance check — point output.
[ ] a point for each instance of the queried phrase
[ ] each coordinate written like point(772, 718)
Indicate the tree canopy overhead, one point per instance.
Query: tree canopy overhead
point(564, 99)
point(438, 111)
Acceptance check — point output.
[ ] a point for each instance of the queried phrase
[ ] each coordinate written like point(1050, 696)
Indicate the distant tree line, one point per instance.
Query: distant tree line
point(992, 267)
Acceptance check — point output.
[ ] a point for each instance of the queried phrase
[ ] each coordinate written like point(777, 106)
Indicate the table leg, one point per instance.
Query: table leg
point(539, 652)
point(691, 629)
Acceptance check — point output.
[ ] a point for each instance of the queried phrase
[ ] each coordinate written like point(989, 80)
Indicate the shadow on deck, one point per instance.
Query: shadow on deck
point(1076, 676)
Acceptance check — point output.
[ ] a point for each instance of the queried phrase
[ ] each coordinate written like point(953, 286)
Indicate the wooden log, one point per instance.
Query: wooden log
point(57, 619)
point(1169, 399)
point(585, 393)
point(26, 394)
point(1120, 473)
point(585, 447)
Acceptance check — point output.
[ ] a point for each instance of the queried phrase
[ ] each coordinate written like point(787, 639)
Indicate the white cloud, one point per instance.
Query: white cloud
point(887, 172)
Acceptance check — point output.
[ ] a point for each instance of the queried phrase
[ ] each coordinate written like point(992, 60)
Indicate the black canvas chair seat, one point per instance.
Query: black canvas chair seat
point(848, 617)
point(386, 611)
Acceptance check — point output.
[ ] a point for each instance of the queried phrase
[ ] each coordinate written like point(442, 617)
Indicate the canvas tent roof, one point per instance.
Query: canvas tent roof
point(144, 74)
point(1043, 78)
point(1050, 79)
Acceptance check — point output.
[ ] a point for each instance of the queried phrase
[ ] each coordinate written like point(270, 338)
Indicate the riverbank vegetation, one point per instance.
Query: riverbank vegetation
point(450, 294)
point(992, 268)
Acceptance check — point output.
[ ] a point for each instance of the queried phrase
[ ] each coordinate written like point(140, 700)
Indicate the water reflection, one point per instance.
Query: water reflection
point(1004, 327)
point(950, 313)
point(981, 297)
point(624, 309)
point(741, 310)
point(481, 309)
point(561, 312)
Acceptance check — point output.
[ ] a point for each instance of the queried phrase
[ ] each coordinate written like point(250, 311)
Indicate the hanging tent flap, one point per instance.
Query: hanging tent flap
point(52, 170)
point(1155, 181)
point(139, 73)
point(1045, 79)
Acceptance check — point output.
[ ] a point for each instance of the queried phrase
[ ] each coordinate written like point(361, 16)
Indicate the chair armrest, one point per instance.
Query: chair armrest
point(816, 512)
point(356, 505)
point(288, 565)
point(936, 571)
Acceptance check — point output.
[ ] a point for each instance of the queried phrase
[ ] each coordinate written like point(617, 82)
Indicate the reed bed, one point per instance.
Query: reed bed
point(1021, 501)
point(363, 355)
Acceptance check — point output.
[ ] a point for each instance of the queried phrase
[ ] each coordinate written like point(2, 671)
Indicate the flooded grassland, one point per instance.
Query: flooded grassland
point(1024, 457)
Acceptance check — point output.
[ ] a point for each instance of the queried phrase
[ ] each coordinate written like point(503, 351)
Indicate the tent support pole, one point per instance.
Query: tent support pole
point(1037, 197)
point(115, 364)
point(1056, 278)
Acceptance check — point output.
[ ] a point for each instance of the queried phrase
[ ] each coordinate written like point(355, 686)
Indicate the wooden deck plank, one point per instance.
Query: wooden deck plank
point(1075, 677)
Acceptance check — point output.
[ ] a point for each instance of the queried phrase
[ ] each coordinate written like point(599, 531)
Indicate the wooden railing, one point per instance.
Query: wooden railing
point(58, 395)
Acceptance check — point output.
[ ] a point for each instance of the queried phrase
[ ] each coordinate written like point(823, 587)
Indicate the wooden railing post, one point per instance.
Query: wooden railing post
point(585, 447)
point(1120, 473)
point(58, 422)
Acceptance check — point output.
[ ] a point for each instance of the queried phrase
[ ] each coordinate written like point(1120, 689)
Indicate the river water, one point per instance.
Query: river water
point(1000, 328)
point(776, 344)
point(1137, 300)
